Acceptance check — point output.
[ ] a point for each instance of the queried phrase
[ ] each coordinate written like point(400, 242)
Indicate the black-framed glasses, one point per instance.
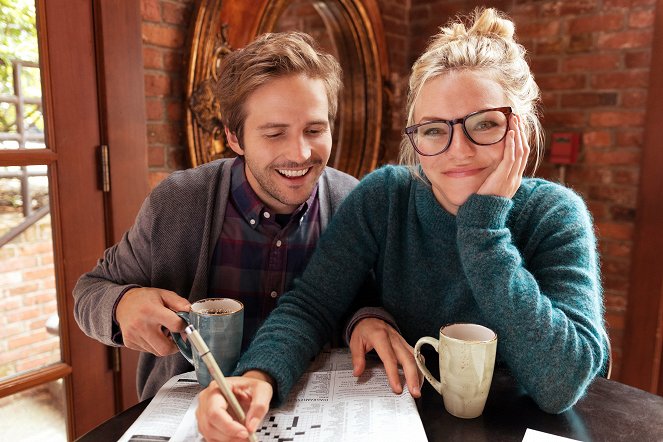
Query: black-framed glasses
point(484, 127)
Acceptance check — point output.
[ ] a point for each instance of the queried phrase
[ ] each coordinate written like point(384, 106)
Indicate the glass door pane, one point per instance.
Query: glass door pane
point(35, 415)
point(29, 336)
point(29, 322)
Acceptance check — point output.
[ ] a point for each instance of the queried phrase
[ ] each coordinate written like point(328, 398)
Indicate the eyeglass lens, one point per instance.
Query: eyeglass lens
point(483, 128)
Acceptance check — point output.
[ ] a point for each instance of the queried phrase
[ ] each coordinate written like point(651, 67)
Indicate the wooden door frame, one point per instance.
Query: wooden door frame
point(642, 366)
point(67, 60)
point(93, 94)
point(123, 122)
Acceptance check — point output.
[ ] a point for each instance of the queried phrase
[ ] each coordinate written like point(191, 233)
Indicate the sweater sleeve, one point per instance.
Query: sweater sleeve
point(338, 187)
point(122, 267)
point(543, 299)
point(307, 316)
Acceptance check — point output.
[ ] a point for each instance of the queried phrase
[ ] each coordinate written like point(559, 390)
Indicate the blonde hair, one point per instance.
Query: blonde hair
point(268, 57)
point(487, 45)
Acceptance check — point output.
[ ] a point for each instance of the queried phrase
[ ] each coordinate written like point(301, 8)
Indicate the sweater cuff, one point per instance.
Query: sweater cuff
point(368, 312)
point(484, 211)
point(116, 333)
point(276, 368)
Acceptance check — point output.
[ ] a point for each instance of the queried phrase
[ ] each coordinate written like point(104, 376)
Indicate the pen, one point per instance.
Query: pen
point(216, 373)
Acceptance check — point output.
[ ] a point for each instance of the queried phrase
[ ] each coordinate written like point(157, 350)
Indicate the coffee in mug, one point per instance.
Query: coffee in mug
point(220, 322)
point(467, 359)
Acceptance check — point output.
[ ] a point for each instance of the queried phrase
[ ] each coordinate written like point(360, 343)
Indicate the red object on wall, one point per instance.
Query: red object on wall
point(564, 147)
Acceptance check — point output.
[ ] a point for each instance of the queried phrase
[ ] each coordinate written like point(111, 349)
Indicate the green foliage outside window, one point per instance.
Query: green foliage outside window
point(18, 41)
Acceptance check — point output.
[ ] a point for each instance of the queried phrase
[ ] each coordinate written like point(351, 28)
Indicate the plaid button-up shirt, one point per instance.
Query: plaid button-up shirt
point(256, 258)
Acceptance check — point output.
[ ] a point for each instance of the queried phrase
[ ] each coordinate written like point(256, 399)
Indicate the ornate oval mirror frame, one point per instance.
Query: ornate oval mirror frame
point(356, 32)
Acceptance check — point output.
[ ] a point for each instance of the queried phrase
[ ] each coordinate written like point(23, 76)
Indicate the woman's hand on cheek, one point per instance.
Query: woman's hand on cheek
point(506, 178)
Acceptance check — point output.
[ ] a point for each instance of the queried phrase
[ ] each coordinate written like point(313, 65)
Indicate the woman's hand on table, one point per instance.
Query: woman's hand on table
point(375, 334)
point(253, 391)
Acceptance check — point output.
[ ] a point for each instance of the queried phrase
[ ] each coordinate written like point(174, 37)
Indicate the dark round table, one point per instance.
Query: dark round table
point(610, 411)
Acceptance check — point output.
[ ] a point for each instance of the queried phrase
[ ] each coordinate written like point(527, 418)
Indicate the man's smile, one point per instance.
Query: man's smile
point(293, 173)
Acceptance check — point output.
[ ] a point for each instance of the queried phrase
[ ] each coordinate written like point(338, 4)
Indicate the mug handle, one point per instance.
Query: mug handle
point(419, 359)
point(184, 346)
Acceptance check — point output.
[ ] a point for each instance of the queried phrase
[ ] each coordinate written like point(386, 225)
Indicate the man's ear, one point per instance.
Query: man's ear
point(233, 141)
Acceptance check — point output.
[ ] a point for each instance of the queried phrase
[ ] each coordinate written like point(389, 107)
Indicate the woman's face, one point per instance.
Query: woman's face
point(458, 172)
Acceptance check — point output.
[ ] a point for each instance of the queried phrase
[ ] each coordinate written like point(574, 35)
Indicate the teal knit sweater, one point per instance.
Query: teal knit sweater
point(525, 267)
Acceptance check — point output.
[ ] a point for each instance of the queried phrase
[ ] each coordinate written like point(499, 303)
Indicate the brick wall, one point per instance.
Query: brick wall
point(590, 57)
point(27, 298)
point(165, 30)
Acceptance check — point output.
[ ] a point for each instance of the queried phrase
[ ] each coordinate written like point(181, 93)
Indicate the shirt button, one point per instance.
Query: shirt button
point(252, 222)
point(266, 215)
point(278, 243)
point(273, 294)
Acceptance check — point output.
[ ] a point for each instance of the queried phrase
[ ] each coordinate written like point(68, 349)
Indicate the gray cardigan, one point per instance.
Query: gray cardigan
point(169, 247)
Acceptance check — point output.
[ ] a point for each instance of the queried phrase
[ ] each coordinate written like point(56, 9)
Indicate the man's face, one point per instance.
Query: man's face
point(287, 140)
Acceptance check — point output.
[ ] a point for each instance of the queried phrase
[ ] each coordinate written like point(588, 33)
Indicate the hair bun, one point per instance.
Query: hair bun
point(490, 22)
point(484, 22)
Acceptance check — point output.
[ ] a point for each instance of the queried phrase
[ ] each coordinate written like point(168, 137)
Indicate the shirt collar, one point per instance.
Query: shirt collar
point(250, 206)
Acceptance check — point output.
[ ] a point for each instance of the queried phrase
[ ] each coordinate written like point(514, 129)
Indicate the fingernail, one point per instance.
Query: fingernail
point(243, 434)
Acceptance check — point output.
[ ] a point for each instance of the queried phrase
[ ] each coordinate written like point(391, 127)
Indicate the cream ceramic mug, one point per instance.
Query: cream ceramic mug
point(467, 359)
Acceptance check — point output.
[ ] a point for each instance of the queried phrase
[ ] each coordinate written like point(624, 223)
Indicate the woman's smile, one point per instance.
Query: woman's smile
point(464, 172)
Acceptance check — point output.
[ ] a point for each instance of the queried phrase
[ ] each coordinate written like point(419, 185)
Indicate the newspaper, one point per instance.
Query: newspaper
point(165, 413)
point(540, 436)
point(327, 404)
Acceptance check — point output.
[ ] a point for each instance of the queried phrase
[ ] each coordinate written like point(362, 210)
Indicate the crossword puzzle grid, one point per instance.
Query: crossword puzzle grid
point(288, 428)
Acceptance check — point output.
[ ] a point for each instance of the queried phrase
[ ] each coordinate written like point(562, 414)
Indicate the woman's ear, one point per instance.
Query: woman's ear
point(233, 141)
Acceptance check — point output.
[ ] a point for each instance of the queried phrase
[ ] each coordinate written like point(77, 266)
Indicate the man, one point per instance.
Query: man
point(242, 228)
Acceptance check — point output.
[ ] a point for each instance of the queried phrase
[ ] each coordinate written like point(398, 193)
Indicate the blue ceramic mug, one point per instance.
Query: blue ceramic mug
point(220, 322)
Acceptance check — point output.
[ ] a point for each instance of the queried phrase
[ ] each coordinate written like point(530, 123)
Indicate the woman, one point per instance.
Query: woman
point(457, 235)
